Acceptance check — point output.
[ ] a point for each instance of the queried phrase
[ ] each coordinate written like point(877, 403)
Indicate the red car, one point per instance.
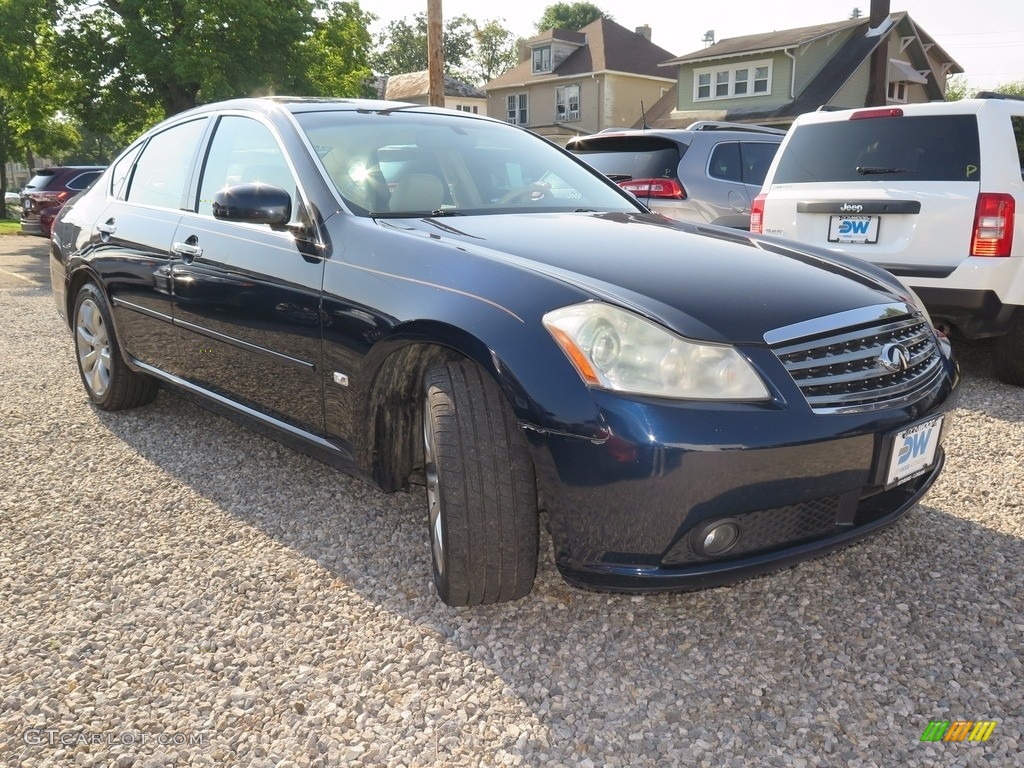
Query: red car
point(47, 192)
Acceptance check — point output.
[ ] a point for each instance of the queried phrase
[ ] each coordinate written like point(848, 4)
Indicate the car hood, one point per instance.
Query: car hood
point(704, 282)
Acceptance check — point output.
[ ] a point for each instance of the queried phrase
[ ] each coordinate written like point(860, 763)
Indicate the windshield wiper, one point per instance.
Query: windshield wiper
point(871, 170)
point(416, 214)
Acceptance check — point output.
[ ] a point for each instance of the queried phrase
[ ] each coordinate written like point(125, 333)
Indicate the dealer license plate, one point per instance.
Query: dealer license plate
point(853, 229)
point(913, 450)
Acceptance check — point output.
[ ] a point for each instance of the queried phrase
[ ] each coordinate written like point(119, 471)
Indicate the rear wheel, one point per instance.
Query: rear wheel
point(1008, 353)
point(481, 493)
point(110, 384)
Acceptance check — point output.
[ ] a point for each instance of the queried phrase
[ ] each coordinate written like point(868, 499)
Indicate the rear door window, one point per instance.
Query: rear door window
point(83, 180)
point(161, 173)
point(757, 158)
point(1018, 134)
point(924, 148)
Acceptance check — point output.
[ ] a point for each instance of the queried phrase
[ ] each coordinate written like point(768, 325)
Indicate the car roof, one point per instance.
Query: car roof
point(687, 135)
point(296, 104)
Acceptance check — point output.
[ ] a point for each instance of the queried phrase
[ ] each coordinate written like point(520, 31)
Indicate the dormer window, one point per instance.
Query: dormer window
point(542, 59)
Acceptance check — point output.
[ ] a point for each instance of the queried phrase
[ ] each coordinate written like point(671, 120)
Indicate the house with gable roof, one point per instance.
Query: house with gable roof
point(573, 83)
point(771, 78)
point(414, 87)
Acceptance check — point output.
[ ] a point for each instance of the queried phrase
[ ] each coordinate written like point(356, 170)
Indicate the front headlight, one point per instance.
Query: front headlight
point(618, 350)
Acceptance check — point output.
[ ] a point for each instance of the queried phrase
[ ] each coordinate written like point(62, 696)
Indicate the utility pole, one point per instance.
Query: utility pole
point(435, 54)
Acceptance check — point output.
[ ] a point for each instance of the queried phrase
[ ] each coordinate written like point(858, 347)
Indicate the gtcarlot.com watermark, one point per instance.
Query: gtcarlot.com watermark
point(53, 737)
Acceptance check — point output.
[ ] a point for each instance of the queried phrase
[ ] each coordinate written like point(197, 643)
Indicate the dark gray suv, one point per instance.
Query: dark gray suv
point(708, 172)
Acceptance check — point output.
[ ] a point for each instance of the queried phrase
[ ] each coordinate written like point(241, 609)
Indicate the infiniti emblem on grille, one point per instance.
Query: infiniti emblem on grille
point(895, 357)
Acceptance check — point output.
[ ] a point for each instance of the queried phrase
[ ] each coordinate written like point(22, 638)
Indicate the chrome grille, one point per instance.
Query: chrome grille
point(838, 364)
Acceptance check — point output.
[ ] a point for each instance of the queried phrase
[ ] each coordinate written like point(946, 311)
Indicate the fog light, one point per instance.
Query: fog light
point(715, 537)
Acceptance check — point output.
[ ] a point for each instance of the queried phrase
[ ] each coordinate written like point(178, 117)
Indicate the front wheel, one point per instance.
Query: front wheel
point(110, 384)
point(481, 492)
point(1008, 353)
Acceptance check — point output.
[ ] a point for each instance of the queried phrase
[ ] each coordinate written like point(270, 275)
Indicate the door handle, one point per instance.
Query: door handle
point(106, 228)
point(187, 251)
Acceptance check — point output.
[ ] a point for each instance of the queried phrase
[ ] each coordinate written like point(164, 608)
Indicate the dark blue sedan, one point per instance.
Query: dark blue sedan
point(431, 298)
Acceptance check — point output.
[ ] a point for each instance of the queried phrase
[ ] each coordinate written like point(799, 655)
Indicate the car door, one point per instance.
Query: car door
point(246, 299)
point(132, 236)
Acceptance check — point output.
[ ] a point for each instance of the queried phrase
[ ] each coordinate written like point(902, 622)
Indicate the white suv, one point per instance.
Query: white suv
point(931, 192)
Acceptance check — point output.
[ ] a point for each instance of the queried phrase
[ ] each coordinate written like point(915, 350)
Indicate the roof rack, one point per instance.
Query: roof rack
point(997, 95)
point(719, 125)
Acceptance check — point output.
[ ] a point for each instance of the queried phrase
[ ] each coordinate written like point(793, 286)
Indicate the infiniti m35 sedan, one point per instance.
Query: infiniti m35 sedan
point(434, 299)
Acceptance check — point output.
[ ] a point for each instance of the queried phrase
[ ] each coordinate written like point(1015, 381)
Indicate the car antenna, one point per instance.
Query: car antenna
point(643, 117)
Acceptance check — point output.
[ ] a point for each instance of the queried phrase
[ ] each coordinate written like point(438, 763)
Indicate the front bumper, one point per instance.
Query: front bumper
point(624, 510)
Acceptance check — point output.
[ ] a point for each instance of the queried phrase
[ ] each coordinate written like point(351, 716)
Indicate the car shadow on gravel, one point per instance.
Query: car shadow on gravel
point(852, 652)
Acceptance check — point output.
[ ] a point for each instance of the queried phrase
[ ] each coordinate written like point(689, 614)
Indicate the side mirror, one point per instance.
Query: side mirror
point(256, 203)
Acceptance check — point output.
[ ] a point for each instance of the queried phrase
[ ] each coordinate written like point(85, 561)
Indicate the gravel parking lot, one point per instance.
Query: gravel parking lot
point(178, 591)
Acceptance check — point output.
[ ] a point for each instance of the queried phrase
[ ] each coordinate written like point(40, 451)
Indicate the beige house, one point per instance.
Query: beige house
point(773, 77)
point(414, 87)
point(572, 83)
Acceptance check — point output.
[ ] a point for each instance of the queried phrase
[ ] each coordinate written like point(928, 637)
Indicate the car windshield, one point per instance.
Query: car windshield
point(396, 163)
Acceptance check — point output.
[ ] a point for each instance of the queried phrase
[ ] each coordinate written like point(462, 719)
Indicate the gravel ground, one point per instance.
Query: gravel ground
point(175, 590)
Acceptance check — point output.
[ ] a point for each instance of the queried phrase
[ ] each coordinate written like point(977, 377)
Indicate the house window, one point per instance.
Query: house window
point(704, 85)
point(739, 86)
point(567, 103)
point(753, 79)
point(898, 91)
point(517, 111)
point(467, 108)
point(542, 59)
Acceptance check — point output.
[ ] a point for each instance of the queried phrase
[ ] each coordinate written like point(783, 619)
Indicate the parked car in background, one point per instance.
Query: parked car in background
point(931, 192)
point(12, 198)
point(708, 172)
point(427, 297)
point(48, 190)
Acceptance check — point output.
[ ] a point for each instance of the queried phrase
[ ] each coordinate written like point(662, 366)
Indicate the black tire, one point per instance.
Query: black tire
point(1008, 353)
point(481, 490)
point(110, 384)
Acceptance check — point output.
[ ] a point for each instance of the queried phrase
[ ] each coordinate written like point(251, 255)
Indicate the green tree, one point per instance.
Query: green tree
point(403, 46)
point(495, 50)
point(1011, 89)
point(338, 52)
point(178, 53)
point(31, 88)
point(571, 16)
point(957, 88)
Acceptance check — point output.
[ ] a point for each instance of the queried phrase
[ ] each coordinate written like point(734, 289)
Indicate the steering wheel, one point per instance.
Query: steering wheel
point(531, 192)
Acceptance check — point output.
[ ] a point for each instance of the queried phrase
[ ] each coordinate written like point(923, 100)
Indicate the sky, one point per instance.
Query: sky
point(986, 37)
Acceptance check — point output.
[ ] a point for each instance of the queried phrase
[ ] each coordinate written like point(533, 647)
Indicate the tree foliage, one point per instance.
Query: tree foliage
point(30, 87)
point(185, 52)
point(402, 47)
point(571, 16)
point(958, 88)
point(495, 50)
point(337, 53)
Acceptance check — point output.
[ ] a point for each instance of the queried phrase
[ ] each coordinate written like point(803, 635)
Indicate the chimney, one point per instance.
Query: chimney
point(878, 68)
point(879, 12)
point(645, 32)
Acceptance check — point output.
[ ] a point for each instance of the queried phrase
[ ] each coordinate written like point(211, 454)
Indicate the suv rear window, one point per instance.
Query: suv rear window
point(622, 159)
point(926, 148)
point(40, 180)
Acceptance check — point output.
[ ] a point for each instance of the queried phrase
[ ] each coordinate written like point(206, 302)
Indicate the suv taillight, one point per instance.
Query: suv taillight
point(757, 214)
point(993, 225)
point(660, 188)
